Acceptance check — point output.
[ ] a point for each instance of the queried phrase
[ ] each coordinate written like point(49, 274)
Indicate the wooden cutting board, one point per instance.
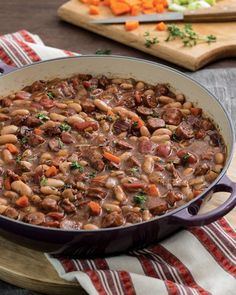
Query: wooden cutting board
point(190, 58)
point(31, 270)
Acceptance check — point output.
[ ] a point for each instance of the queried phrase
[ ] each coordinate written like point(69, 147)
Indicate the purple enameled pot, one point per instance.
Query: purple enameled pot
point(110, 241)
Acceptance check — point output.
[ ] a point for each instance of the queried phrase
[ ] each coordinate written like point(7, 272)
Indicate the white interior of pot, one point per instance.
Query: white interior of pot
point(122, 67)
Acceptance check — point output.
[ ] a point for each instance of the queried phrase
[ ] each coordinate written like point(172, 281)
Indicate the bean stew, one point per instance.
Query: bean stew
point(93, 152)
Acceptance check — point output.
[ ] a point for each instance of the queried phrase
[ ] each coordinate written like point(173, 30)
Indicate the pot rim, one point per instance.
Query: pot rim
point(166, 215)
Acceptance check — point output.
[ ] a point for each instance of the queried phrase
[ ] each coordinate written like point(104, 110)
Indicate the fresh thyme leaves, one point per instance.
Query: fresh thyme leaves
point(42, 117)
point(65, 127)
point(101, 51)
point(23, 140)
point(134, 171)
point(149, 40)
point(18, 159)
point(174, 137)
point(50, 95)
point(185, 158)
point(75, 165)
point(68, 185)
point(188, 36)
point(60, 143)
point(43, 181)
point(92, 174)
point(140, 199)
point(135, 124)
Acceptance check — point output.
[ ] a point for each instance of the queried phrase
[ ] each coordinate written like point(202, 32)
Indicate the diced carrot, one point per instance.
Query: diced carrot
point(160, 8)
point(119, 8)
point(110, 113)
point(12, 148)
point(196, 111)
point(106, 2)
point(111, 157)
point(93, 10)
point(94, 2)
point(161, 26)
point(38, 131)
point(135, 10)
point(196, 193)
point(7, 183)
point(149, 11)
point(139, 122)
point(84, 1)
point(51, 171)
point(147, 5)
point(153, 191)
point(131, 25)
point(22, 201)
point(94, 207)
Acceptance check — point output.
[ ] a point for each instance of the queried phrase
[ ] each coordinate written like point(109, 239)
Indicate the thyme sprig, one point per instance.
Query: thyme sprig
point(149, 40)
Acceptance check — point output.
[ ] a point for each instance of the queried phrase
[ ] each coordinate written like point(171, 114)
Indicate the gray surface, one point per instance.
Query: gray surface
point(222, 83)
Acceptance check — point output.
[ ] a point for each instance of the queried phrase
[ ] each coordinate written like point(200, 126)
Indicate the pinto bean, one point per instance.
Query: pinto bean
point(188, 171)
point(10, 129)
point(211, 176)
point(218, 168)
point(219, 158)
point(45, 158)
point(7, 156)
point(162, 131)
point(21, 112)
point(10, 195)
point(76, 106)
point(126, 86)
point(165, 99)
point(8, 138)
point(180, 97)
point(48, 190)
point(54, 182)
point(75, 118)
point(160, 138)
point(196, 180)
point(3, 117)
point(57, 117)
point(101, 105)
point(21, 188)
point(187, 105)
point(148, 164)
point(140, 85)
point(144, 131)
point(119, 193)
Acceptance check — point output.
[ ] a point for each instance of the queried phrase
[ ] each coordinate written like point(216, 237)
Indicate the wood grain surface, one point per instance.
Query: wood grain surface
point(30, 269)
point(192, 58)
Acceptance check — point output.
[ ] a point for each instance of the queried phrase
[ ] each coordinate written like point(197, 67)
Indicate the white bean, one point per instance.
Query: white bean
point(140, 85)
point(180, 97)
point(188, 171)
point(187, 105)
point(219, 158)
point(8, 138)
point(160, 138)
point(186, 190)
point(165, 99)
point(54, 182)
point(111, 182)
point(90, 226)
point(21, 188)
point(101, 105)
point(74, 119)
point(125, 156)
point(7, 156)
point(111, 207)
point(197, 180)
point(124, 112)
point(119, 193)
point(162, 131)
point(21, 112)
point(144, 131)
point(45, 157)
point(57, 117)
point(218, 168)
point(76, 106)
point(10, 129)
point(175, 104)
point(126, 86)
point(148, 164)
point(146, 215)
point(47, 190)
point(185, 112)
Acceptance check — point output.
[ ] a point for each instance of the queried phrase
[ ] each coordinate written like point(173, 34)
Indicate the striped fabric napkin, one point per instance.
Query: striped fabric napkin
point(200, 260)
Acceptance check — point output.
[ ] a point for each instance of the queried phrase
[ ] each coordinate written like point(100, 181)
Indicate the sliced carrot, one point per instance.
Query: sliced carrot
point(94, 207)
point(131, 25)
point(93, 10)
point(138, 122)
point(12, 148)
point(196, 193)
point(51, 171)
point(38, 131)
point(196, 111)
point(22, 201)
point(111, 157)
point(153, 190)
point(161, 26)
point(94, 2)
point(7, 183)
point(160, 8)
point(119, 8)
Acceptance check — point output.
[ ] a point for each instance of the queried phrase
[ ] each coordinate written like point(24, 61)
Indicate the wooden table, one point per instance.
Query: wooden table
point(40, 17)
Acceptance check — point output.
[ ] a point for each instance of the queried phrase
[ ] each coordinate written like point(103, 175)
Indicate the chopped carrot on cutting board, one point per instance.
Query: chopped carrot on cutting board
point(93, 10)
point(161, 26)
point(131, 25)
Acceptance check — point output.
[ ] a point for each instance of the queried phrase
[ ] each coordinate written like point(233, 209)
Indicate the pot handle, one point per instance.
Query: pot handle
point(5, 69)
point(185, 218)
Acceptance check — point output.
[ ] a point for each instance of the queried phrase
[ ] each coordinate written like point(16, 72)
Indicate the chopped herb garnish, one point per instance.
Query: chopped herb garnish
point(140, 199)
point(174, 137)
point(65, 127)
point(23, 140)
point(188, 36)
point(92, 96)
point(50, 95)
point(60, 143)
point(149, 41)
point(135, 124)
point(43, 181)
point(109, 119)
point(42, 117)
point(185, 158)
point(92, 174)
point(75, 165)
point(134, 170)
point(18, 159)
point(103, 51)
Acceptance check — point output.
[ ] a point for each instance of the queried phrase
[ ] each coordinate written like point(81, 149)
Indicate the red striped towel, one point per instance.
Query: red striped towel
point(200, 260)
